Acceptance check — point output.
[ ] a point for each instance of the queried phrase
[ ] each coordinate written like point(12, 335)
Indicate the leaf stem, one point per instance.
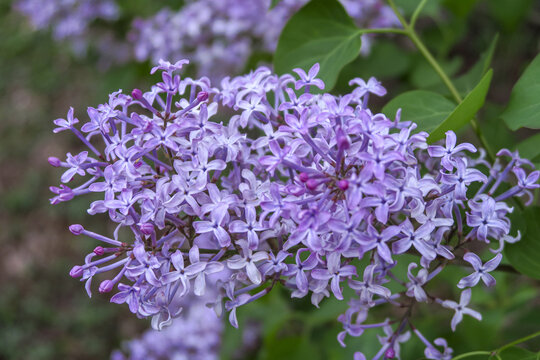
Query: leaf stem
point(472, 353)
point(417, 12)
point(434, 64)
point(518, 341)
point(409, 31)
point(382, 31)
point(499, 350)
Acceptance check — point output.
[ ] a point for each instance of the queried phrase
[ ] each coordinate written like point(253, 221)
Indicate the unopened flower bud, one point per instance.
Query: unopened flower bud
point(343, 184)
point(312, 184)
point(303, 177)
point(343, 141)
point(202, 96)
point(76, 229)
point(390, 353)
point(146, 228)
point(99, 250)
point(76, 271)
point(136, 94)
point(54, 161)
point(106, 286)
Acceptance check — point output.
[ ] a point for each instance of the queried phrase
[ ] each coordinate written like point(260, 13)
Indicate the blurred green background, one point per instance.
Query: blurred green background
point(45, 314)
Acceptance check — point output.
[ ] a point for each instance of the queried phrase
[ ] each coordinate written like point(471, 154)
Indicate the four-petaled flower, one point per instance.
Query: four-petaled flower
point(448, 153)
point(247, 261)
point(334, 271)
point(308, 79)
point(480, 271)
point(461, 308)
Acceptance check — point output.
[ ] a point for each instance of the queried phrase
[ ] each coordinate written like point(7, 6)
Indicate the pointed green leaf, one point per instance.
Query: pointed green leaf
point(321, 32)
point(465, 111)
point(425, 108)
point(524, 255)
point(524, 106)
point(467, 82)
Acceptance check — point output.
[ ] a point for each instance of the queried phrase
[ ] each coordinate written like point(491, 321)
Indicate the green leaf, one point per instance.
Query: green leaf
point(494, 129)
point(529, 148)
point(273, 3)
point(288, 340)
point(510, 14)
point(423, 76)
point(465, 111)
point(517, 353)
point(321, 32)
point(524, 255)
point(524, 106)
point(467, 82)
point(407, 7)
point(460, 7)
point(385, 60)
point(427, 109)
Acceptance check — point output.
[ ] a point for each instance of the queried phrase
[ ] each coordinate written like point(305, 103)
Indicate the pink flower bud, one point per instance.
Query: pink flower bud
point(390, 353)
point(303, 177)
point(312, 184)
point(146, 228)
point(343, 184)
point(76, 271)
point(99, 250)
point(136, 94)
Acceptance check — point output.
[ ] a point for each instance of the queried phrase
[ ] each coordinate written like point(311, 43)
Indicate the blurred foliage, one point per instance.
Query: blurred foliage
point(44, 314)
point(295, 329)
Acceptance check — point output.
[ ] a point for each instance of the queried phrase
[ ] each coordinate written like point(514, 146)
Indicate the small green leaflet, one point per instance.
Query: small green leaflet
point(436, 114)
point(465, 111)
point(425, 108)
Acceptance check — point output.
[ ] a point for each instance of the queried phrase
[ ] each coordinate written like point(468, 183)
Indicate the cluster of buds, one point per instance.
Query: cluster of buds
point(263, 182)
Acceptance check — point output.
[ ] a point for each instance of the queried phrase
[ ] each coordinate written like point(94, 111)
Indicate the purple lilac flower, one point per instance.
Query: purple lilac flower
point(68, 18)
point(481, 271)
point(195, 335)
point(193, 194)
point(71, 21)
point(221, 35)
point(461, 308)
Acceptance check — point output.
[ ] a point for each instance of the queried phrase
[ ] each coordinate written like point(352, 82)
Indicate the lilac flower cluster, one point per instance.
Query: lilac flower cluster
point(261, 185)
point(196, 335)
point(221, 35)
point(68, 19)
